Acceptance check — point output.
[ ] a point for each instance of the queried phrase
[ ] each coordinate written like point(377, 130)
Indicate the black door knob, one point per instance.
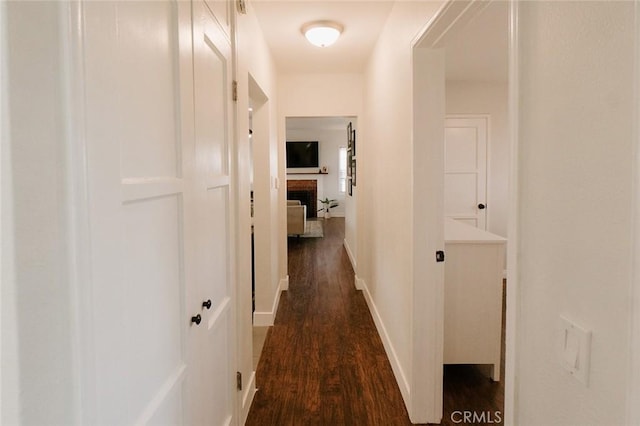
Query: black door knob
point(481, 206)
point(196, 319)
point(207, 304)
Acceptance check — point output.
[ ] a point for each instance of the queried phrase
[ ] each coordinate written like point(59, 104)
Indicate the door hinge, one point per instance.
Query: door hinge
point(239, 380)
point(234, 90)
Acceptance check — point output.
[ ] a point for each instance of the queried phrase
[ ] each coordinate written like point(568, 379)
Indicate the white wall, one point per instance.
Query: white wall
point(9, 356)
point(488, 98)
point(38, 373)
point(385, 174)
point(323, 95)
point(329, 142)
point(577, 139)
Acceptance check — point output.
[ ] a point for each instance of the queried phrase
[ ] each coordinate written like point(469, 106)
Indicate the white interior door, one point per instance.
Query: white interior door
point(213, 112)
point(139, 327)
point(157, 125)
point(465, 181)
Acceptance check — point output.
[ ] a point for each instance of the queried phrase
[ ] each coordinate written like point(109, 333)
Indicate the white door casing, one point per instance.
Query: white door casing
point(158, 141)
point(465, 185)
point(429, 205)
point(213, 112)
point(426, 387)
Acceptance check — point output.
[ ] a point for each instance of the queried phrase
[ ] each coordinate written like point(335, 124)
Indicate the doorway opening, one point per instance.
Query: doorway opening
point(461, 77)
point(261, 211)
point(319, 172)
point(327, 174)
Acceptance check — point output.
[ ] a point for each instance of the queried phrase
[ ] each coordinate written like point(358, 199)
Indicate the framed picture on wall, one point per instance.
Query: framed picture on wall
point(353, 171)
point(353, 142)
point(351, 157)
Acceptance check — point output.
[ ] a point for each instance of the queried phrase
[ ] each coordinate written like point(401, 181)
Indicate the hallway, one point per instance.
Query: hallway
point(323, 362)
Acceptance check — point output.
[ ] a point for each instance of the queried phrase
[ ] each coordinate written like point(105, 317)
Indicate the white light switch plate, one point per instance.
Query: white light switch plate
point(574, 349)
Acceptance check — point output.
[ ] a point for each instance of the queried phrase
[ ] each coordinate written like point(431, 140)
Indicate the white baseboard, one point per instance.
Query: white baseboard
point(284, 283)
point(266, 319)
point(398, 372)
point(349, 253)
point(247, 398)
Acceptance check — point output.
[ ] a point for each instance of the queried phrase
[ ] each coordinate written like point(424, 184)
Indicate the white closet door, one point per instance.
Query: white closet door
point(158, 144)
point(213, 219)
point(137, 188)
point(465, 181)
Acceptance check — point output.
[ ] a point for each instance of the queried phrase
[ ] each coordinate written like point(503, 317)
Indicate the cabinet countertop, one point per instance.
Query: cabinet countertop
point(460, 233)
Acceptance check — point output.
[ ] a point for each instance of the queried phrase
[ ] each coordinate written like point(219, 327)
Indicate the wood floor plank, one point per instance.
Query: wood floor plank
point(323, 362)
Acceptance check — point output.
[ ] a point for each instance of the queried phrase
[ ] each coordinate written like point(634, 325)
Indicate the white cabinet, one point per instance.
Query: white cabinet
point(473, 296)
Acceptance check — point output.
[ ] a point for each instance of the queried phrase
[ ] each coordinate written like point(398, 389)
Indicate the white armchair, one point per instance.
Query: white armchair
point(296, 217)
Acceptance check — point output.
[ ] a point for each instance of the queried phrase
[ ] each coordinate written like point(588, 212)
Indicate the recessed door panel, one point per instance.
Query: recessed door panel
point(219, 374)
point(470, 222)
point(212, 107)
point(216, 263)
point(148, 85)
point(152, 281)
point(221, 11)
point(461, 149)
point(148, 344)
point(460, 197)
point(171, 413)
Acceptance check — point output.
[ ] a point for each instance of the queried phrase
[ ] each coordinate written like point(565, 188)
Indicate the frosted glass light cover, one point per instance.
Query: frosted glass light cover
point(322, 36)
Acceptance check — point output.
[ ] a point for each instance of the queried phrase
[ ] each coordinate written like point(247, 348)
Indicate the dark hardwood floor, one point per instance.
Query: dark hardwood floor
point(323, 362)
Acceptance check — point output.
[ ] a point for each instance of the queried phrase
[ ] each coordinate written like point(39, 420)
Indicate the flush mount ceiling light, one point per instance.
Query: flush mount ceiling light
point(322, 33)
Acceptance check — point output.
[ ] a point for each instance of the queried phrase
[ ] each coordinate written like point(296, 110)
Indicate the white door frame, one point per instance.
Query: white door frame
point(513, 296)
point(633, 387)
point(429, 97)
point(425, 402)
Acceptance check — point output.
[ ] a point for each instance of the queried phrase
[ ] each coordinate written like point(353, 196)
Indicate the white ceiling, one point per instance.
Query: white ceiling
point(281, 22)
point(477, 53)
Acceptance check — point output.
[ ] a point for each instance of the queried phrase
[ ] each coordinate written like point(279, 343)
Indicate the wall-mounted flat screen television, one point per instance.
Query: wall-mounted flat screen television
point(302, 154)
